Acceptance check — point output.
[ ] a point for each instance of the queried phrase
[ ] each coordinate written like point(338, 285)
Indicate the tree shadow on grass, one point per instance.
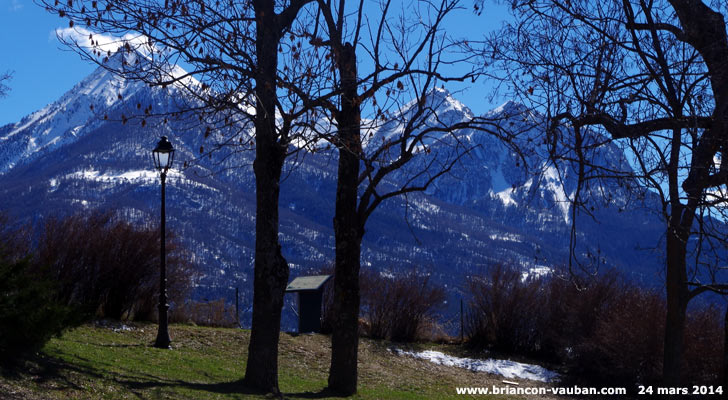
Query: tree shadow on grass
point(41, 369)
point(324, 393)
point(53, 374)
point(123, 345)
point(237, 387)
point(118, 345)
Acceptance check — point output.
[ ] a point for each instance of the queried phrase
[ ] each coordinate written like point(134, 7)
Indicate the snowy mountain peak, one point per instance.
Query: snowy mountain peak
point(509, 108)
point(138, 64)
point(440, 94)
point(438, 108)
point(78, 111)
point(442, 101)
point(122, 58)
point(105, 87)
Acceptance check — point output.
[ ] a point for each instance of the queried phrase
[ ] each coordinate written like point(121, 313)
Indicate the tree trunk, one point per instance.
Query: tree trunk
point(705, 29)
point(677, 301)
point(348, 232)
point(270, 276)
point(271, 269)
point(725, 355)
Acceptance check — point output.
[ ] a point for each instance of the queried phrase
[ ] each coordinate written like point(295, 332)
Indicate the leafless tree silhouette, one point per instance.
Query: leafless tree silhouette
point(650, 77)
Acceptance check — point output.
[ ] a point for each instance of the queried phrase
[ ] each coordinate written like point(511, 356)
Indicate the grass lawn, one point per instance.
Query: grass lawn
point(99, 362)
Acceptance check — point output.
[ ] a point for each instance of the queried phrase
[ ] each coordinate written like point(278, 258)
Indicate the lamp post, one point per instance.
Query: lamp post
point(163, 156)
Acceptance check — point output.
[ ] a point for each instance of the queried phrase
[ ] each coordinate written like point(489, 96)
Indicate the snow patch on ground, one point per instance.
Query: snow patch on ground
point(505, 368)
point(123, 328)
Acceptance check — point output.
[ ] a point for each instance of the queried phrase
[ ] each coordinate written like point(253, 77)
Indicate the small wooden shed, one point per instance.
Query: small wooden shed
point(310, 291)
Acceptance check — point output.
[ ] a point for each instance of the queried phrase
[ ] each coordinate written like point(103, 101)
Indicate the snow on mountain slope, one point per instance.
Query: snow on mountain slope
point(438, 109)
point(79, 111)
point(63, 121)
point(68, 158)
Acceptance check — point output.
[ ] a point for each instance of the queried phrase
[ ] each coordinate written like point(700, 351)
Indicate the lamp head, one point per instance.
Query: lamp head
point(163, 155)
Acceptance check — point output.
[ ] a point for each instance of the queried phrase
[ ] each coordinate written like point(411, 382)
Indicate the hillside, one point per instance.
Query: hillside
point(118, 362)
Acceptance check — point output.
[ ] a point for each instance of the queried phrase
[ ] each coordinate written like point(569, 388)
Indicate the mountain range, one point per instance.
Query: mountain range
point(91, 149)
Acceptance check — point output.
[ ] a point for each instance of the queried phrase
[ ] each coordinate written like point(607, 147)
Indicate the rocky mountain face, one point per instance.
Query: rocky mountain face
point(91, 149)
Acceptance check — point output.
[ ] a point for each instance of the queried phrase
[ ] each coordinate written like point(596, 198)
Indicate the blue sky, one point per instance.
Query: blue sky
point(43, 69)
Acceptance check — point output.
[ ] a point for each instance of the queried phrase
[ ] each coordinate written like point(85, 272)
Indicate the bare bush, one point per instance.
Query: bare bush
point(572, 311)
point(205, 313)
point(604, 330)
point(505, 311)
point(110, 266)
point(399, 308)
point(542, 317)
point(14, 240)
point(626, 345)
point(704, 341)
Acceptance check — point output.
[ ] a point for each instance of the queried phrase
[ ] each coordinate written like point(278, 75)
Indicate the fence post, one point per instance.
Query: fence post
point(237, 307)
point(461, 321)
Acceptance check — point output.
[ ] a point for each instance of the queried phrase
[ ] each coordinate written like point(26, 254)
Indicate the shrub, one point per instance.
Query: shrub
point(111, 267)
point(543, 317)
point(704, 342)
point(29, 312)
point(205, 313)
point(14, 241)
point(82, 265)
point(505, 311)
point(605, 331)
point(625, 347)
point(572, 311)
point(400, 307)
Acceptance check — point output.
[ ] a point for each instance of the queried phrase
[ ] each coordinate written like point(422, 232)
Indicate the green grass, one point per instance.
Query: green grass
point(93, 362)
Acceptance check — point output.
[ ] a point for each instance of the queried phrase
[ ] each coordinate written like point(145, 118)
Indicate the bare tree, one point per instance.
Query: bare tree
point(262, 56)
point(232, 50)
point(650, 77)
point(407, 52)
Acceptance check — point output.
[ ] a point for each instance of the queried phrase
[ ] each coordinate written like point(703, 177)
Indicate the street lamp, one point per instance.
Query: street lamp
point(163, 156)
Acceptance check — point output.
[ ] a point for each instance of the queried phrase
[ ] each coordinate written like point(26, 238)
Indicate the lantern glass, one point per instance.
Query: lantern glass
point(163, 155)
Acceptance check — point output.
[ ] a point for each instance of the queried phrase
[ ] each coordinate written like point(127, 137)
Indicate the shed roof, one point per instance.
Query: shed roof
point(304, 283)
